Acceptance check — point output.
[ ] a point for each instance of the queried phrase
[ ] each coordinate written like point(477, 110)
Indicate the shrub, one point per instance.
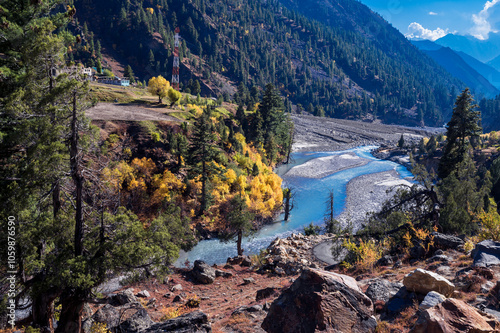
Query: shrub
point(170, 313)
point(311, 230)
point(99, 328)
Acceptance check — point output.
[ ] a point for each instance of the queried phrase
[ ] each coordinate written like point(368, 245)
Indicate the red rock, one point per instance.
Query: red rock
point(321, 301)
point(454, 316)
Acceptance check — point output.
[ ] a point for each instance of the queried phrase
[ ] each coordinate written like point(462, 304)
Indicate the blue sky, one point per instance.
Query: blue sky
point(430, 19)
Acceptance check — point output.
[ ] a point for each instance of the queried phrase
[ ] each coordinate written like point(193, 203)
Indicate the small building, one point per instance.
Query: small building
point(114, 80)
point(85, 72)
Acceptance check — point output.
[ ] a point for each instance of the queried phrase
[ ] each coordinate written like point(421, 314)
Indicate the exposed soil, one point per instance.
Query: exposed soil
point(130, 112)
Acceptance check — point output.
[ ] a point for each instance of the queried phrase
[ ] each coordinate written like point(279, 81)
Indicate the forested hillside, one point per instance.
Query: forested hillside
point(337, 69)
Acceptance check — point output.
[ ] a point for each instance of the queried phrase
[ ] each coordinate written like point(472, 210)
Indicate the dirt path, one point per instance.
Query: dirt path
point(130, 112)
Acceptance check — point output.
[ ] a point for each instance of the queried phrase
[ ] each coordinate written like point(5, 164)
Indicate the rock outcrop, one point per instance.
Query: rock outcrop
point(431, 299)
point(453, 315)
point(194, 322)
point(203, 273)
point(444, 242)
point(321, 301)
point(423, 282)
point(486, 253)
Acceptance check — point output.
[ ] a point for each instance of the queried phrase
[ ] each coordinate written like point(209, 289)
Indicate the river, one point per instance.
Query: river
point(310, 197)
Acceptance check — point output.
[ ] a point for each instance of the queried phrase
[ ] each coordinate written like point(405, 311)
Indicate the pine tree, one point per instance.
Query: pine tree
point(239, 222)
point(464, 124)
point(202, 151)
point(129, 73)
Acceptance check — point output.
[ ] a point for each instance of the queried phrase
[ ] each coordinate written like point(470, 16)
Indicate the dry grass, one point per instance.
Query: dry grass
point(402, 323)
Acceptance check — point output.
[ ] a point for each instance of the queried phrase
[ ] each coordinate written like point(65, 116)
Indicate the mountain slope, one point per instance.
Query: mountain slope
point(349, 69)
point(487, 71)
point(456, 66)
point(495, 63)
point(483, 50)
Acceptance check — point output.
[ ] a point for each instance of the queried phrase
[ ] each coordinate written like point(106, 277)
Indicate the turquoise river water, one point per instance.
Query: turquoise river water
point(311, 194)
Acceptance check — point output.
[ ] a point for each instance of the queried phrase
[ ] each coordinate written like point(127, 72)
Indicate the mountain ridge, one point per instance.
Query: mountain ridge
point(349, 69)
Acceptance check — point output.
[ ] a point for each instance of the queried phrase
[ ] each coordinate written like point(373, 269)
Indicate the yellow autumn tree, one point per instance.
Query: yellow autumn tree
point(159, 86)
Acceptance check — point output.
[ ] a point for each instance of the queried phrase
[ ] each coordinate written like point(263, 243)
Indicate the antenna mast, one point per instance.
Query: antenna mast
point(175, 70)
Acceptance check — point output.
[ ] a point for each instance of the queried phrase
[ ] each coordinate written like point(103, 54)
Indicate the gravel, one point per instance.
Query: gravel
point(328, 134)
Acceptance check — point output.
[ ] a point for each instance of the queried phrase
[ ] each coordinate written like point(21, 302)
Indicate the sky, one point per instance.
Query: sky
point(431, 19)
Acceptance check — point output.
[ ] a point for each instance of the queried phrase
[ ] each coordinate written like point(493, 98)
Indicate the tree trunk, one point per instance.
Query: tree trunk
point(238, 243)
point(43, 309)
point(287, 203)
point(78, 179)
point(56, 198)
point(70, 320)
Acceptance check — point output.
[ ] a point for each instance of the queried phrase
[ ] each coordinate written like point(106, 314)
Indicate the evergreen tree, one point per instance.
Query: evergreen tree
point(401, 142)
point(129, 73)
point(239, 221)
point(464, 124)
point(202, 152)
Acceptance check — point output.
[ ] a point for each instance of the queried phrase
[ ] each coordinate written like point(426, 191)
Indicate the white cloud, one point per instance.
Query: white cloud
point(433, 13)
point(417, 31)
point(482, 26)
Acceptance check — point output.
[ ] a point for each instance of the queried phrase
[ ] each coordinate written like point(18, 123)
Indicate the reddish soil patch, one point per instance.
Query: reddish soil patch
point(217, 300)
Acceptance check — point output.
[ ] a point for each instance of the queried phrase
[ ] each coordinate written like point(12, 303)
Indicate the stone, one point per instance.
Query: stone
point(431, 299)
point(265, 293)
point(400, 301)
point(151, 302)
point(177, 299)
point(87, 324)
point(125, 297)
point(382, 290)
point(279, 271)
point(442, 241)
point(177, 287)
point(240, 260)
point(108, 315)
point(143, 293)
point(454, 315)
point(486, 287)
point(422, 282)
point(322, 301)
point(253, 308)
point(193, 322)
point(203, 273)
point(486, 253)
point(385, 261)
point(439, 257)
point(219, 273)
point(138, 322)
point(246, 262)
point(249, 280)
point(417, 252)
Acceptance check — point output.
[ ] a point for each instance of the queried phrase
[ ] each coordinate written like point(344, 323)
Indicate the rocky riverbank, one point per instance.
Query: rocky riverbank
point(366, 194)
point(327, 134)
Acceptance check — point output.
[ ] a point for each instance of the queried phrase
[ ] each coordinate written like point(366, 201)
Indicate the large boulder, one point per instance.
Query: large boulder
point(422, 282)
point(108, 315)
point(125, 297)
point(444, 242)
point(138, 322)
point(382, 290)
point(194, 322)
point(431, 299)
point(486, 253)
point(321, 301)
point(203, 273)
point(453, 315)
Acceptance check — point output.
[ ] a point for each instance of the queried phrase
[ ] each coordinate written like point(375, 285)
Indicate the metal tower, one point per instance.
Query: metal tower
point(175, 70)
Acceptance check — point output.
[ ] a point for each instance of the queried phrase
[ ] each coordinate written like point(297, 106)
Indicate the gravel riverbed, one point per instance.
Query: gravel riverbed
point(366, 193)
